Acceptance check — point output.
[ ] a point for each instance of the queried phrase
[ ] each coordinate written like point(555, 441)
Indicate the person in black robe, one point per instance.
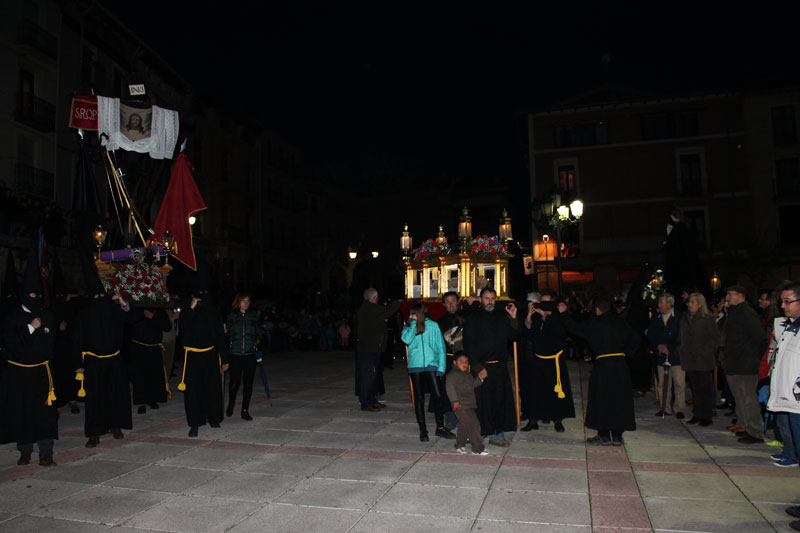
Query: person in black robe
point(610, 404)
point(550, 395)
point(100, 367)
point(65, 309)
point(146, 367)
point(27, 398)
point(205, 359)
point(486, 335)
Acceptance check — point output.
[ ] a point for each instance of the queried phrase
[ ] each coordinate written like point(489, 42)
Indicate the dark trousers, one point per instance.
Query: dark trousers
point(702, 382)
point(469, 429)
point(241, 368)
point(45, 448)
point(421, 380)
point(367, 371)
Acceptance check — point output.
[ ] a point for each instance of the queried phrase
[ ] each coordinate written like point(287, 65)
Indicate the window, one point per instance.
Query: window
point(787, 176)
point(691, 172)
point(566, 178)
point(668, 125)
point(696, 220)
point(784, 129)
point(583, 134)
point(787, 222)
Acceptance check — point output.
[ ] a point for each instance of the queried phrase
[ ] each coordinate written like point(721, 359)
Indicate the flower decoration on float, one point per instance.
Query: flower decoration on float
point(485, 245)
point(139, 280)
point(431, 249)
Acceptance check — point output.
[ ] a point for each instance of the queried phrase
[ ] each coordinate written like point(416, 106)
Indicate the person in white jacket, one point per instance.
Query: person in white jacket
point(784, 397)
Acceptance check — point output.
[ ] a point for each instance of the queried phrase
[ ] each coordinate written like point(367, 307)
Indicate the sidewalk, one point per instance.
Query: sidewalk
point(315, 462)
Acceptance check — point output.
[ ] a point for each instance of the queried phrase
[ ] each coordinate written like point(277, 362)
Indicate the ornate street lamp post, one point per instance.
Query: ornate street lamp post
point(558, 216)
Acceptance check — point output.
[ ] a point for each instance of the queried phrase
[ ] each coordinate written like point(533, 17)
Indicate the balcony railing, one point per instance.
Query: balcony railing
point(32, 180)
point(31, 34)
point(35, 112)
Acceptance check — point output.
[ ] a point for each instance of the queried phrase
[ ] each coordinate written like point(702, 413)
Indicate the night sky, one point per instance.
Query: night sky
point(442, 88)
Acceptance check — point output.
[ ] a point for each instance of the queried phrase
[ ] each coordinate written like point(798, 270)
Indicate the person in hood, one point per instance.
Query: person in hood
point(27, 397)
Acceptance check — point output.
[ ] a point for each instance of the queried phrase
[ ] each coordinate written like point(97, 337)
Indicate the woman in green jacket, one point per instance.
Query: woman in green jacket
point(426, 364)
point(243, 330)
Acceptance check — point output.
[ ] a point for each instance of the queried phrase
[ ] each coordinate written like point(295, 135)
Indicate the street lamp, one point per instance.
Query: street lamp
point(405, 240)
point(464, 229)
point(352, 255)
point(375, 255)
point(441, 239)
point(558, 216)
point(192, 220)
point(716, 284)
point(504, 231)
point(99, 236)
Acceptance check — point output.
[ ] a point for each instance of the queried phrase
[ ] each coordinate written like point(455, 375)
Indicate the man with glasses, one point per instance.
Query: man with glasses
point(745, 343)
point(784, 396)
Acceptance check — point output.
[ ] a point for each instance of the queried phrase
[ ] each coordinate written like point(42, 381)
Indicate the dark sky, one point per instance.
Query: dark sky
point(444, 86)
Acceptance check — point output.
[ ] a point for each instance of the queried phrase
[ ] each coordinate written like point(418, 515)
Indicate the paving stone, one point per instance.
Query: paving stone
point(143, 452)
point(775, 513)
point(547, 450)
point(432, 500)
point(390, 442)
point(541, 479)
point(194, 514)
point(550, 507)
point(107, 505)
point(245, 487)
point(385, 471)
point(299, 519)
point(683, 485)
point(773, 489)
point(163, 478)
point(496, 526)
point(467, 475)
point(25, 495)
point(342, 494)
point(705, 515)
point(668, 454)
point(36, 524)
point(91, 470)
point(325, 439)
point(210, 458)
point(260, 435)
point(403, 523)
point(284, 464)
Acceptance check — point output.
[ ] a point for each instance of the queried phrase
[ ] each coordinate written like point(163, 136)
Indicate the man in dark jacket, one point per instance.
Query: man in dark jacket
point(663, 334)
point(370, 344)
point(744, 345)
point(486, 335)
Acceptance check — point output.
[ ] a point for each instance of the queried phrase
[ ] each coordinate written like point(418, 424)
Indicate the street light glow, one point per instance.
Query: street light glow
point(192, 220)
point(353, 255)
point(577, 208)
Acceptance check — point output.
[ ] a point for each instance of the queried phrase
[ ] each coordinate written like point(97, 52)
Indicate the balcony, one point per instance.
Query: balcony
point(31, 180)
point(35, 112)
point(31, 35)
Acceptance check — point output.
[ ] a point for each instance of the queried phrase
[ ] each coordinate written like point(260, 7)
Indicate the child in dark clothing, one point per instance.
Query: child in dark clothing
point(461, 391)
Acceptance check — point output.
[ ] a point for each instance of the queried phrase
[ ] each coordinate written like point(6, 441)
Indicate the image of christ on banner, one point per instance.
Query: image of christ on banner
point(134, 122)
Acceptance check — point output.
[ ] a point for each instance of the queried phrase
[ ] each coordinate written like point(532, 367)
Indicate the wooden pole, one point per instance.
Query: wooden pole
point(516, 382)
point(410, 384)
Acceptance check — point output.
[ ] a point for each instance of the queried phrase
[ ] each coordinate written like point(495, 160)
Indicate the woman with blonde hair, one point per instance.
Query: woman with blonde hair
point(426, 363)
point(699, 339)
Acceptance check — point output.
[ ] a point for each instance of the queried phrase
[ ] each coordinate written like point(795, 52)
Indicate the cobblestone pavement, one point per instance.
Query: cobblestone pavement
point(315, 462)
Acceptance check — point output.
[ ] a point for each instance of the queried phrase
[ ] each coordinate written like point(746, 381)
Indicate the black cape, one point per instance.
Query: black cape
point(147, 356)
point(547, 338)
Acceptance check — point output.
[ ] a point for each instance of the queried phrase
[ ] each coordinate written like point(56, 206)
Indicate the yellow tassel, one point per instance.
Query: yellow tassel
point(559, 391)
point(51, 397)
point(81, 391)
point(79, 376)
point(181, 386)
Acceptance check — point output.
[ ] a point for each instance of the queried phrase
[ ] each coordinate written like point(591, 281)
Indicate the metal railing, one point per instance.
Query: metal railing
point(32, 180)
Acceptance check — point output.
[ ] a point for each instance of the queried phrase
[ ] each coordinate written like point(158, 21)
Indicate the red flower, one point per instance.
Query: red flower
point(124, 293)
point(145, 289)
point(502, 248)
point(483, 236)
point(425, 254)
point(129, 280)
point(438, 251)
point(147, 281)
point(492, 250)
point(483, 246)
point(474, 248)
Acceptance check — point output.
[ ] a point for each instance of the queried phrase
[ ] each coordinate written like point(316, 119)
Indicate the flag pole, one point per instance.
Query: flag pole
point(516, 382)
point(410, 383)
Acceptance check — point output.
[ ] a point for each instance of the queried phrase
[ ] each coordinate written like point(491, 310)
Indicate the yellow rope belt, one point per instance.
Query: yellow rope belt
point(610, 355)
point(557, 389)
point(51, 395)
point(490, 362)
point(186, 350)
point(79, 376)
point(166, 379)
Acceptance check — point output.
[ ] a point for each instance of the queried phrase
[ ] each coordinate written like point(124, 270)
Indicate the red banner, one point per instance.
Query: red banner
point(83, 113)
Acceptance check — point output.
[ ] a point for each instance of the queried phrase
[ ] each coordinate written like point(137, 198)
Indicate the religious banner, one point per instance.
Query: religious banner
point(83, 113)
point(150, 130)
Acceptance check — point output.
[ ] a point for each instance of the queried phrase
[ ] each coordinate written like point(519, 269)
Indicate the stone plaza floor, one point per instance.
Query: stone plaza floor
point(315, 462)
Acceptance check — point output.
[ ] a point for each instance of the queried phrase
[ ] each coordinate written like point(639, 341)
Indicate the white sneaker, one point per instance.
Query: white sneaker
point(484, 452)
point(462, 450)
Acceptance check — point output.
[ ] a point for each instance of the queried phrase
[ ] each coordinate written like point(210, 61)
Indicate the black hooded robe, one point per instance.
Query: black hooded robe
point(547, 338)
point(201, 328)
point(108, 394)
point(25, 416)
point(147, 356)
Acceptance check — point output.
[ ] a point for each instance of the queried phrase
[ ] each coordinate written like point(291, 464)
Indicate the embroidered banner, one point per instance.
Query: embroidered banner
point(83, 113)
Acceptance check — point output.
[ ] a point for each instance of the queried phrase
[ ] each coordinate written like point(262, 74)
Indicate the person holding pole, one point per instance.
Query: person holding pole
point(426, 364)
point(486, 335)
